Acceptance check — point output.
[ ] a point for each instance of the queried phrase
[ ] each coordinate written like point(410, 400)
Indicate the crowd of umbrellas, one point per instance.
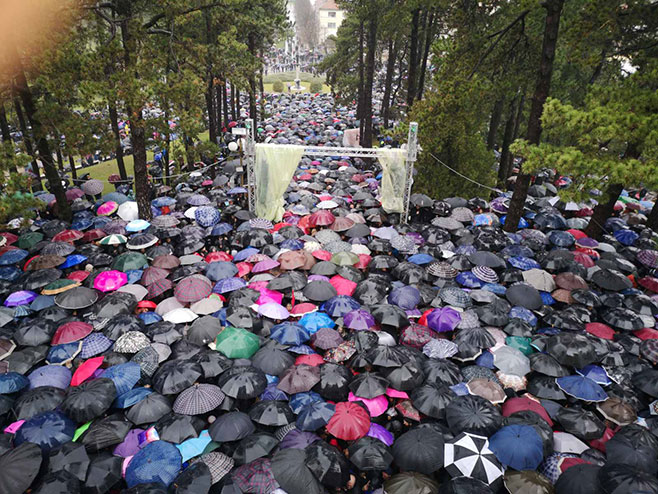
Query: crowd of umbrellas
point(338, 350)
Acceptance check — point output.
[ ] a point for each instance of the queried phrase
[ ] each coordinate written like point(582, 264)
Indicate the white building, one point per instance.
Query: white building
point(331, 16)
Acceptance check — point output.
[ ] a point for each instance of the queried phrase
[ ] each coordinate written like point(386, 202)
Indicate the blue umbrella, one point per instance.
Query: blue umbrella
point(158, 462)
point(137, 225)
point(517, 250)
point(468, 279)
point(315, 416)
point(117, 197)
point(625, 237)
point(496, 288)
point(273, 393)
point(124, 376)
point(517, 446)
point(42, 302)
point(237, 190)
point(485, 359)
point(47, 430)
point(596, 373)
point(421, 259)
point(523, 263)
point(81, 224)
point(292, 244)
point(518, 312)
point(194, 446)
point(522, 222)
point(300, 400)
point(13, 256)
point(149, 318)
point(95, 344)
point(316, 320)
point(220, 270)
point(289, 333)
point(245, 253)
point(340, 305)
point(221, 229)
point(50, 375)
point(561, 238)
point(229, 285)
point(134, 275)
point(206, 216)
point(546, 298)
point(12, 382)
point(405, 297)
point(72, 260)
point(301, 350)
point(160, 202)
point(131, 397)
point(61, 354)
point(10, 273)
point(582, 388)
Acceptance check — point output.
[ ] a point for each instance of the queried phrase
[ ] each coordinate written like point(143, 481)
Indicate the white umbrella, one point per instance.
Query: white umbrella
point(167, 305)
point(138, 291)
point(180, 316)
point(128, 211)
point(563, 442)
point(540, 279)
point(511, 361)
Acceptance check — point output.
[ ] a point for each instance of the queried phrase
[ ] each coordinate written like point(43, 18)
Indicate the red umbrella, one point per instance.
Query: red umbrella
point(70, 332)
point(300, 309)
point(93, 235)
point(73, 194)
point(79, 275)
point(646, 334)
point(513, 405)
point(11, 238)
point(601, 441)
point(68, 236)
point(146, 304)
point(322, 218)
point(583, 259)
point(349, 422)
point(153, 274)
point(86, 370)
point(312, 359)
point(244, 268)
point(323, 255)
point(601, 330)
point(343, 286)
point(649, 282)
point(218, 256)
point(566, 463)
point(364, 260)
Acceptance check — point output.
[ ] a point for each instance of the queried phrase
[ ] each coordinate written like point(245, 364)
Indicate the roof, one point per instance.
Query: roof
point(328, 5)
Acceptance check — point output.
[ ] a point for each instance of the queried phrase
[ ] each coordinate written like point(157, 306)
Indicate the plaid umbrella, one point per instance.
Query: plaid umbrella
point(198, 399)
point(193, 288)
point(256, 477)
point(148, 359)
point(131, 342)
point(229, 285)
point(218, 463)
point(159, 287)
point(94, 344)
point(207, 216)
point(647, 257)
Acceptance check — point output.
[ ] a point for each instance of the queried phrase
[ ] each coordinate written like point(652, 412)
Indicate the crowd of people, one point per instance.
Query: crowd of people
point(337, 349)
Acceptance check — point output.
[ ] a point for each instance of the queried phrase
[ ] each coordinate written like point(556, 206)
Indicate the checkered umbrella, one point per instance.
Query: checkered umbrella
point(455, 296)
point(193, 288)
point(165, 221)
point(94, 344)
point(148, 359)
point(207, 216)
point(131, 342)
point(218, 463)
point(159, 287)
point(469, 455)
point(440, 348)
point(198, 399)
point(256, 477)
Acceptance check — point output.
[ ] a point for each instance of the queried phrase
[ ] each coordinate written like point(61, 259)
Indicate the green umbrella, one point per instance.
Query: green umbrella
point(237, 343)
point(345, 258)
point(59, 286)
point(129, 261)
point(520, 343)
point(29, 240)
point(114, 239)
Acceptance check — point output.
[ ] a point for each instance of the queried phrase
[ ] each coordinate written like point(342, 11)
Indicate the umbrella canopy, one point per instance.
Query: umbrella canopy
point(469, 455)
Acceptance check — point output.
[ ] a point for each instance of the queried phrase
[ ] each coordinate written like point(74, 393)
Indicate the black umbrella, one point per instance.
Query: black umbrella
point(109, 431)
point(624, 450)
point(571, 349)
point(319, 291)
point(212, 363)
point(89, 400)
point(545, 387)
point(467, 485)
point(579, 479)
point(432, 399)
point(525, 295)
point(76, 298)
point(609, 279)
point(291, 472)
point(104, 473)
point(195, 479)
point(406, 377)
point(473, 414)
point(368, 385)
point(19, 468)
point(204, 330)
point(150, 409)
point(70, 457)
point(255, 446)
point(242, 382)
point(327, 464)
point(175, 376)
point(232, 426)
point(272, 359)
point(334, 382)
point(390, 316)
point(370, 292)
point(38, 400)
point(271, 413)
point(626, 479)
point(495, 313)
point(419, 450)
point(623, 319)
point(441, 371)
point(370, 454)
point(486, 258)
point(386, 356)
point(411, 483)
point(58, 483)
point(176, 428)
point(35, 332)
point(581, 423)
point(547, 365)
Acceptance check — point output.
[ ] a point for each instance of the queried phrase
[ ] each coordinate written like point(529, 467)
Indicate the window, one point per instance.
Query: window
point(332, 14)
point(332, 25)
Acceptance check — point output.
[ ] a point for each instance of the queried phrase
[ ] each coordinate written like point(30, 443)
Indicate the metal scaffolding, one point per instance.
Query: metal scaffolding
point(412, 154)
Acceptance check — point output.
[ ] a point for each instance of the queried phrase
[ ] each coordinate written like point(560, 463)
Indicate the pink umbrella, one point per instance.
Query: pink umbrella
point(269, 296)
point(108, 281)
point(394, 393)
point(258, 286)
point(107, 208)
point(342, 285)
point(323, 255)
point(302, 309)
point(265, 265)
point(376, 406)
point(273, 311)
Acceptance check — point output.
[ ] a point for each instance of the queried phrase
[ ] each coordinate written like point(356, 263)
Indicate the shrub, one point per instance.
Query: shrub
point(277, 86)
point(316, 87)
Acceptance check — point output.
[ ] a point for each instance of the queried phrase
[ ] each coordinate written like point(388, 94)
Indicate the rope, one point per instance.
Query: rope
point(465, 177)
point(198, 170)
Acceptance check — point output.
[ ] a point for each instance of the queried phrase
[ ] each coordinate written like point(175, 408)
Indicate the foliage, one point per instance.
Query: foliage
point(316, 87)
point(613, 135)
point(277, 86)
point(14, 201)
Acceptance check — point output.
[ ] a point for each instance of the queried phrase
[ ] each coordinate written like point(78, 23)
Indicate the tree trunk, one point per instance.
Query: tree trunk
point(210, 107)
point(652, 219)
point(74, 172)
point(388, 82)
point(603, 211)
point(503, 170)
point(542, 89)
point(219, 107)
point(37, 185)
point(494, 122)
point(118, 150)
point(225, 103)
point(413, 54)
point(366, 137)
point(165, 169)
point(60, 159)
point(233, 116)
point(253, 111)
point(360, 98)
point(238, 105)
point(6, 133)
point(429, 37)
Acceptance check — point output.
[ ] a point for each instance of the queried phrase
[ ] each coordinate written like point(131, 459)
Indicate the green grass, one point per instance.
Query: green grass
point(103, 170)
point(290, 76)
point(269, 87)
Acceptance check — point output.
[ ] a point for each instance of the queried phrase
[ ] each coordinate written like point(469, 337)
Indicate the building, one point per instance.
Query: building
point(331, 16)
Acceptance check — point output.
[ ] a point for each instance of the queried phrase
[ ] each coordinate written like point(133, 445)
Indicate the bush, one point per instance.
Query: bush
point(316, 87)
point(277, 86)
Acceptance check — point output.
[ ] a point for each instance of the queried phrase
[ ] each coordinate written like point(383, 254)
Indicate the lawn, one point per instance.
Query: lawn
point(103, 170)
point(289, 77)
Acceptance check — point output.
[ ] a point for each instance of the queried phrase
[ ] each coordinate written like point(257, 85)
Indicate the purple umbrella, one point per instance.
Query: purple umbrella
point(229, 285)
point(50, 375)
point(273, 310)
point(359, 320)
point(406, 297)
point(22, 297)
point(298, 439)
point(265, 265)
point(443, 319)
point(380, 432)
point(130, 444)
